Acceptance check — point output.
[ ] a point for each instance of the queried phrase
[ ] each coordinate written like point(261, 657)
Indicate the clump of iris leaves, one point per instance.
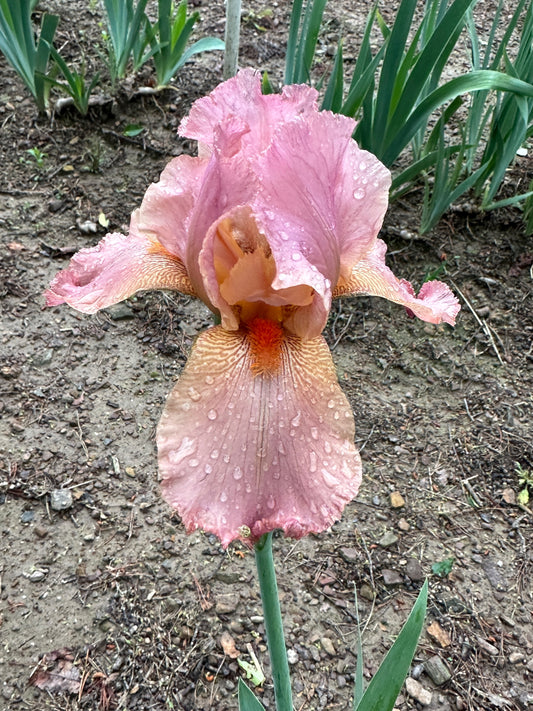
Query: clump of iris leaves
point(459, 136)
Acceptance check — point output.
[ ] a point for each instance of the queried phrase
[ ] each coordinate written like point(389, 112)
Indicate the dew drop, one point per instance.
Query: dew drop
point(194, 394)
point(248, 487)
point(223, 497)
point(295, 422)
point(327, 447)
point(296, 256)
point(209, 380)
point(359, 194)
point(281, 448)
point(226, 458)
point(193, 463)
point(215, 454)
point(186, 406)
point(208, 469)
point(336, 415)
point(276, 475)
point(212, 415)
point(331, 404)
point(312, 462)
point(314, 432)
point(186, 448)
point(279, 397)
point(270, 502)
point(237, 473)
point(362, 165)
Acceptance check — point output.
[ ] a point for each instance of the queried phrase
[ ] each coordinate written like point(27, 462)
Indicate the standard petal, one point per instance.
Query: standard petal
point(115, 269)
point(242, 97)
point(242, 453)
point(435, 302)
point(321, 204)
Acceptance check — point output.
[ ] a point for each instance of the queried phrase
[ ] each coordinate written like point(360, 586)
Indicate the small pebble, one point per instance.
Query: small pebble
point(516, 657)
point(60, 499)
point(388, 539)
point(327, 645)
point(417, 691)
point(396, 500)
point(437, 670)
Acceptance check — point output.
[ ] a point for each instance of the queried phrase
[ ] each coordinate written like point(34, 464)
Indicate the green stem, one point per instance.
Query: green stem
point(273, 623)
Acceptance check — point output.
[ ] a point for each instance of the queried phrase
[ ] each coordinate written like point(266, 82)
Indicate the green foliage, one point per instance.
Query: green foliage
point(396, 89)
point(303, 35)
point(525, 481)
point(75, 86)
point(169, 37)
point(127, 36)
point(26, 54)
point(247, 699)
point(383, 690)
point(443, 567)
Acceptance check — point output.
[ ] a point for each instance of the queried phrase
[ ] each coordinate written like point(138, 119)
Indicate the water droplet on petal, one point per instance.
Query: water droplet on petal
point(209, 380)
point(331, 403)
point(327, 447)
point(193, 463)
point(212, 415)
point(295, 422)
point(186, 448)
point(314, 432)
point(270, 502)
point(214, 454)
point(186, 406)
point(208, 469)
point(194, 394)
point(362, 165)
point(312, 462)
point(276, 475)
point(359, 193)
point(296, 256)
point(223, 497)
point(281, 448)
point(237, 473)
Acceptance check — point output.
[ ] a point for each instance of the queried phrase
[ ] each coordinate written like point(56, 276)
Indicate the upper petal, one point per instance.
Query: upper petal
point(321, 204)
point(435, 301)
point(115, 269)
point(241, 97)
point(242, 453)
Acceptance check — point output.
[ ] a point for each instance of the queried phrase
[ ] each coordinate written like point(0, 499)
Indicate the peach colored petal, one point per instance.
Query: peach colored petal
point(167, 206)
point(242, 453)
point(435, 302)
point(115, 269)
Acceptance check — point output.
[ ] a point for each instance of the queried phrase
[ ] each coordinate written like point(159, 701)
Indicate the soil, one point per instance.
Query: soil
point(127, 610)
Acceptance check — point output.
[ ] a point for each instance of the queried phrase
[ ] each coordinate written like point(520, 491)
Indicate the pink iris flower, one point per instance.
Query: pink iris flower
point(277, 215)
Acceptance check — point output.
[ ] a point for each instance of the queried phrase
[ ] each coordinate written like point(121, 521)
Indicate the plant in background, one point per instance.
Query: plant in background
point(26, 54)
point(75, 86)
point(394, 92)
point(169, 37)
point(277, 216)
point(525, 482)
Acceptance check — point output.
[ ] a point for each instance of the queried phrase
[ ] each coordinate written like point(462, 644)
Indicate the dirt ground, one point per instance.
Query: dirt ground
point(101, 577)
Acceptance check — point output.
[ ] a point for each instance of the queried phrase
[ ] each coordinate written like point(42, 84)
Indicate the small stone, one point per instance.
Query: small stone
point(391, 577)
point(437, 670)
point(120, 312)
point(396, 500)
point(292, 656)
point(37, 575)
point(416, 691)
point(417, 671)
point(366, 592)
point(27, 516)
point(516, 657)
point(349, 555)
point(60, 499)
point(487, 647)
point(388, 539)
point(414, 571)
point(130, 471)
point(327, 645)
point(403, 525)
point(436, 632)
point(226, 606)
point(40, 531)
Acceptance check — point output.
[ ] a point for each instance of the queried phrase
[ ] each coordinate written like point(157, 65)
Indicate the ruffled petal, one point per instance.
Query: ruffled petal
point(321, 204)
point(242, 453)
point(168, 205)
point(242, 97)
point(115, 269)
point(435, 301)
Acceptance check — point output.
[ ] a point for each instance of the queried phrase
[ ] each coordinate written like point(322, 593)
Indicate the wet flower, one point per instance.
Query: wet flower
point(277, 215)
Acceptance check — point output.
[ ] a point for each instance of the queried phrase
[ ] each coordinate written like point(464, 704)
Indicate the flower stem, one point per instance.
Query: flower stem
point(273, 623)
point(231, 37)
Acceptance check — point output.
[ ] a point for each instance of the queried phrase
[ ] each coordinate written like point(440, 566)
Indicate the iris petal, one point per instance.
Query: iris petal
point(242, 453)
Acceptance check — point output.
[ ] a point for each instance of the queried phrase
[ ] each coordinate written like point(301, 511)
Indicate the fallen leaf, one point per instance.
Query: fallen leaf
point(228, 645)
point(56, 673)
point(436, 632)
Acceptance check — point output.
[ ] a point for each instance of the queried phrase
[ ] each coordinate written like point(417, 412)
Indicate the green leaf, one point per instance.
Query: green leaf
point(133, 129)
point(523, 497)
point(248, 701)
point(443, 568)
point(253, 672)
point(383, 690)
